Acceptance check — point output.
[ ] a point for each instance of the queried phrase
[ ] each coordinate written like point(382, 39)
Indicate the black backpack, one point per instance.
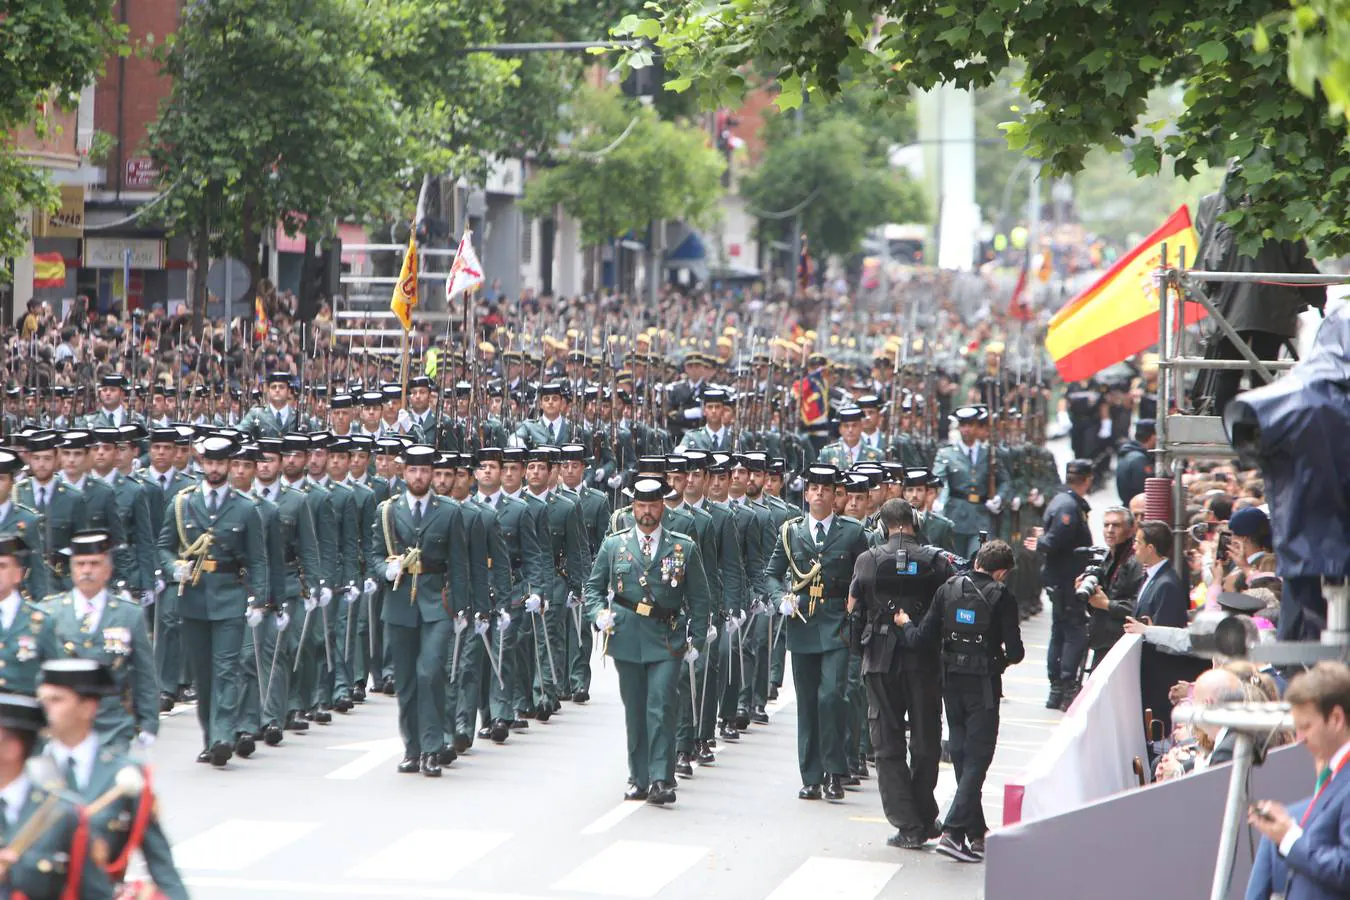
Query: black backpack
point(967, 623)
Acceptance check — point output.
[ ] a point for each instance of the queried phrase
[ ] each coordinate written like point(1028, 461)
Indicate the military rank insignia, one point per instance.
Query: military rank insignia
point(672, 567)
point(117, 640)
point(28, 648)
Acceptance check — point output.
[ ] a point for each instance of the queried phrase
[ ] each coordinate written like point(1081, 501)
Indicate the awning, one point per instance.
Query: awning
point(689, 250)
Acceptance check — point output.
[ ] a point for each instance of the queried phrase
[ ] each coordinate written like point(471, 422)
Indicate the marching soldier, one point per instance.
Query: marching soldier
point(121, 803)
point(811, 567)
point(647, 594)
point(133, 508)
point(963, 467)
point(59, 506)
point(23, 522)
point(213, 547)
point(421, 550)
point(711, 435)
point(849, 450)
point(278, 416)
point(26, 635)
point(595, 512)
point(162, 481)
point(112, 396)
point(921, 489)
point(89, 622)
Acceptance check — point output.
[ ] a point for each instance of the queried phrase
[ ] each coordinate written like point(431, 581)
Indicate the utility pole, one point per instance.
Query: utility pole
point(796, 229)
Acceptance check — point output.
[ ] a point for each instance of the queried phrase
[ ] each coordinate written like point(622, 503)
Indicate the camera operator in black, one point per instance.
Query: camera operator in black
point(902, 685)
point(1116, 585)
point(1065, 529)
point(974, 621)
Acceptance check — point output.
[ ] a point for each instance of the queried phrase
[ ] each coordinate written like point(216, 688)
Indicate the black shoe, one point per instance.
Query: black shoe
point(321, 717)
point(544, 712)
point(462, 743)
point(166, 701)
point(359, 694)
point(773, 693)
point(295, 723)
point(809, 792)
point(906, 841)
point(220, 754)
point(703, 753)
point(499, 731)
point(759, 716)
point(956, 848)
point(244, 746)
point(531, 713)
point(445, 756)
point(742, 720)
point(834, 789)
point(581, 696)
point(934, 830)
point(430, 768)
point(851, 781)
point(683, 766)
point(343, 705)
point(485, 733)
point(204, 756)
point(661, 793)
point(711, 743)
point(387, 686)
point(409, 766)
point(976, 846)
point(519, 725)
point(860, 772)
point(565, 695)
point(727, 733)
point(635, 792)
point(187, 693)
point(1056, 695)
point(272, 735)
point(1071, 690)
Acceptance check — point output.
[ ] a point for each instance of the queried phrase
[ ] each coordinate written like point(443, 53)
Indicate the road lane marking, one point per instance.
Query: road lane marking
point(820, 878)
point(428, 854)
point(631, 869)
point(237, 844)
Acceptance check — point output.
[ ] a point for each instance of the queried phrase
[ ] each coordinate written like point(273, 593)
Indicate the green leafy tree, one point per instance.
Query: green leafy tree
point(48, 52)
point(1089, 69)
point(1319, 51)
point(627, 168)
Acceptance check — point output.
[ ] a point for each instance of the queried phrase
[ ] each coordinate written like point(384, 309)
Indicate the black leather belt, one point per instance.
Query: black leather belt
point(650, 610)
point(430, 568)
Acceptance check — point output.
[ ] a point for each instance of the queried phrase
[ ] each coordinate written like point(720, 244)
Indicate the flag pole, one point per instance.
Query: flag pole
point(412, 241)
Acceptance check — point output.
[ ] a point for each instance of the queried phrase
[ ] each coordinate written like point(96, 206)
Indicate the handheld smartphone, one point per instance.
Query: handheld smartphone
point(984, 536)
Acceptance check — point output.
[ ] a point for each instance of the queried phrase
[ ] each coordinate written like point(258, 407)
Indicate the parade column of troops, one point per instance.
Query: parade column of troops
point(277, 557)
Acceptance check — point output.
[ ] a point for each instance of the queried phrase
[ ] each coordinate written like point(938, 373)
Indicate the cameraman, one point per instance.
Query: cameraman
point(1065, 530)
point(974, 620)
point(902, 575)
point(1117, 587)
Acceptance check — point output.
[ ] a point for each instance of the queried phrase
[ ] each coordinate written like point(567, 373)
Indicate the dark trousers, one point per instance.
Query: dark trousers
point(906, 786)
point(972, 733)
point(419, 683)
point(819, 680)
point(215, 645)
point(1068, 634)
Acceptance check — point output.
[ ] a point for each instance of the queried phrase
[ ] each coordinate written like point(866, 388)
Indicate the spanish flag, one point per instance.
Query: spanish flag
point(49, 270)
point(1117, 316)
point(405, 292)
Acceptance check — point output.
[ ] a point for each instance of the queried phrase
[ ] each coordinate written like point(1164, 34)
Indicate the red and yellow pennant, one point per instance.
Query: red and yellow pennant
point(405, 292)
point(49, 270)
point(1117, 316)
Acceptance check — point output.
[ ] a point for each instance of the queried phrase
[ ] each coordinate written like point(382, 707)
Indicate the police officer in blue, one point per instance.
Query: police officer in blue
point(1057, 539)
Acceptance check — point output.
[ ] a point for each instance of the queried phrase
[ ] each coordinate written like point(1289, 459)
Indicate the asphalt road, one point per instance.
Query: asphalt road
point(326, 814)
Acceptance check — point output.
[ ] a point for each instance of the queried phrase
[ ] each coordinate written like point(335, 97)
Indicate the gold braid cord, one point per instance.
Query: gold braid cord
point(194, 552)
point(408, 561)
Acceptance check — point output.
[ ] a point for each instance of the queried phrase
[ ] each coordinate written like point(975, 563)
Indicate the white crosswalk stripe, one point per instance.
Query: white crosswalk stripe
point(631, 869)
point(237, 844)
point(428, 854)
point(822, 878)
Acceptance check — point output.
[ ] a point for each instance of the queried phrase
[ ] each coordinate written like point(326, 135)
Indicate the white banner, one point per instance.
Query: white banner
point(1091, 754)
point(109, 253)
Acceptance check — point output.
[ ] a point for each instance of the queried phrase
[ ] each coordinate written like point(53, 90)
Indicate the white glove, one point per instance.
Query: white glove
point(598, 476)
point(312, 601)
point(787, 606)
point(798, 484)
point(159, 585)
point(604, 620)
point(147, 598)
point(182, 570)
point(146, 740)
point(480, 626)
point(282, 621)
point(693, 412)
point(370, 586)
point(392, 569)
point(759, 607)
point(461, 623)
point(253, 616)
point(994, 504)
point(691, 655)
point(733, 624)
point(572, 600)
point(325, 596)
point(1016, 504)
point(712, 634)
point(533, 603)
point(615, 482)
point(1035, 497)
point(352, 592)
point(503, 620)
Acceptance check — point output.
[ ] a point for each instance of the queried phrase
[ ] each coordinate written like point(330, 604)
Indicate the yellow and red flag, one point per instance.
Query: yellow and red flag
point(49, 270)
point(1117, 316)
point(260, 322)
point(405, 292)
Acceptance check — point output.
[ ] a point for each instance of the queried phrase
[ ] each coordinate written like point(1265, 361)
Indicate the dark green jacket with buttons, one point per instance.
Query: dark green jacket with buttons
point(237, 553)
point(25, 522)
point(823, 627)
point(42, 870)
point(433, 596)
point(28, 643)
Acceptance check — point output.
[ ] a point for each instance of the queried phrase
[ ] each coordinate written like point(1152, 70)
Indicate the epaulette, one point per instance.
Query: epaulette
point(855, 521)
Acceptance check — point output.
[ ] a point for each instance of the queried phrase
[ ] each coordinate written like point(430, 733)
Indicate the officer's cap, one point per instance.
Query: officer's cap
point(419, 455)
point(113, 380)
point(13, 545)
point(318, 390)
point(75, 440)
point(419, 381)
point(716, 395)
point(1078, 467)
point(361, 443)
point(698, 460)
point(216, 447)
point(103, 436)
point(1244, 604)
point(162, 390)
point(339, 444)
point(543, 454)
point(19, 713)
point(650, 490)
point(551, 389)
point(90, 542)
point(446, 461)
point(577, 356)
point(822, 474)
point(9, 463)
point(42, 440)
point(463, 388)
point(372, 398)
point(756, 460)
point(131, 434)
point(857, 483)
point(390, 393)
point(777, 465)
point(968, 414)
point(732, 397)
point(319, 440)
point(295, 443)
point(388, 446)
point(677, 463)
point(279, 378)
point(270, 446)
point(868, 401)
point(86, 677)
point(655, 464)
point(850, 414)
point(1248, 522)
point(342, 401)
point(816, 359)
point(247, 452)
point(513, 455)
point(488, 454)
point(572, 453)
point(184, 434)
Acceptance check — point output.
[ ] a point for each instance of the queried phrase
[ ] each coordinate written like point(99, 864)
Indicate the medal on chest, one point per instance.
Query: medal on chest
point(672, 567)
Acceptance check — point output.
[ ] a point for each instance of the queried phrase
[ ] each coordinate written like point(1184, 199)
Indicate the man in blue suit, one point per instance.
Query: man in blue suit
point(1316, 846)
point(1163, 600)
point(1269, 873)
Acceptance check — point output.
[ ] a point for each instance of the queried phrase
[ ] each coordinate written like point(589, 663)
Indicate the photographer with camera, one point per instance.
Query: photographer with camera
point(902, 575)
point(1111, 582)
point(1065, 529)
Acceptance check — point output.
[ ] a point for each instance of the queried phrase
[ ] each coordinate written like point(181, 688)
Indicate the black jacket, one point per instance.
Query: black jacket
point(1124, 577)
point(1133, 465)
point(1066, 529)
point(1005, 637)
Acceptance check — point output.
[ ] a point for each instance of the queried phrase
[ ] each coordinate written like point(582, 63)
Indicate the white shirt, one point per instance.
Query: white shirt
point(1296, 830)
point(516, 495)
point(555, 426)
point(424, 500)
point(219, 492)
point(655, 541)
point(83, 754)
point(972, 451)
point(77, 485)
point(267, 491)
point(813, 522)
point(117, 415)
point(84, 605)
point(42, 493)
point(4, 510)
point(490, 499)
point(1150, 572)
point(1202, 763)
point(15, 795)
point(283, 415)
point(9, 608)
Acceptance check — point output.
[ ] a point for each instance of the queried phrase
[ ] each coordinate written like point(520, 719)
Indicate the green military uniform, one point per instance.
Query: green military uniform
point(353, 619)
point(841, 456)
point(266, 421)
point(703, 438)
point(967, 490)
point(133, 510)
point(99, 511)
point(258, 717)
point(61, 513)
point(430, 583)
point(656, 602)
point(302, 553)
point(595, 512)
point(571, 560)
point(350, 547)
point(817, 574)
point(216, 552)
point(307, 687)
point(27, 642)
point(936, 529)
point(161, 488)
point(541, 433)
point(25, 523)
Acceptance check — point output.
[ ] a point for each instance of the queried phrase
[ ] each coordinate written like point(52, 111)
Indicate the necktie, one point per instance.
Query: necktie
point(820, 533)
point(1322, 778)
point(42, 499)
point(553, 433)
point(164, 482)
point(212, 503)
point(974, 455)
point(87, 618)
point(417, 513)
point(647, 547)
point(72, 779)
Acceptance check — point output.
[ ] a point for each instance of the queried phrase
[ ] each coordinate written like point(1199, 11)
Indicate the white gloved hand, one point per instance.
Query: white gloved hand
point(604, 620)
point(351, 593)
point(693, 412)
point(533, 603)
point(325, 596)
point(1016, 504)
point(691, 655)
point(733, 624)
point(1035, 497)
point(461, 623)
point(312, 601)
point(787, 606)
point(712, 634)
point(392, 569)
point(797, 484)
point(182, 570)
point(503, 620)
point(572, 599)
point(160, 585)
point(598, 476)
point(994, 504)
point(370, 586)
point(145, 739)
point(615, 482)
point(147, 598)
point(253, 616)
point(480, 626)
point(282, 621)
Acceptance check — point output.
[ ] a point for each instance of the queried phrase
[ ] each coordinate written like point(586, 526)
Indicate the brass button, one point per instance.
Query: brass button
point(88, 645)
point(44, 866)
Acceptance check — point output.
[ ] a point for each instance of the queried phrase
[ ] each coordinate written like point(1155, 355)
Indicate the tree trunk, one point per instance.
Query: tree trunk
point(201, 251)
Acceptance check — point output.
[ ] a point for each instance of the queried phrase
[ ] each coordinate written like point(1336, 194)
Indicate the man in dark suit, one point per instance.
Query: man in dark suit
point(1162, 601)
point(1316, 847)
